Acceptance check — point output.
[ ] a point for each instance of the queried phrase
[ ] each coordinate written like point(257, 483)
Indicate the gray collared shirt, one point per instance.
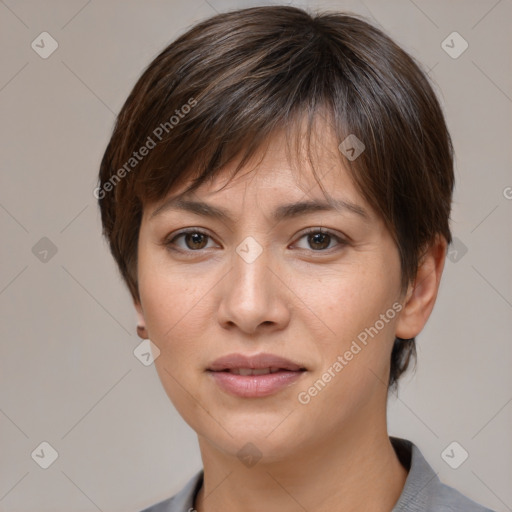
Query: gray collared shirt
point(423, 491)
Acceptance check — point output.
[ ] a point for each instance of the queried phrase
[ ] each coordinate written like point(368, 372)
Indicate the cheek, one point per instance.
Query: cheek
point(358, 309)
point(174, 312)
point(355, 358)
point(172, 302)
point(175, 319)
point(350, 302)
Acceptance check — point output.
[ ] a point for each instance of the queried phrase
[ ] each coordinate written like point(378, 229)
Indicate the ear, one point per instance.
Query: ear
point(421, 295)
point(141, 322)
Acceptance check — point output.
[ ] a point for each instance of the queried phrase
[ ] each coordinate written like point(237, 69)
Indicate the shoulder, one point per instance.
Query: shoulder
point(183, 501)
point(423, 491)
point(448, 499)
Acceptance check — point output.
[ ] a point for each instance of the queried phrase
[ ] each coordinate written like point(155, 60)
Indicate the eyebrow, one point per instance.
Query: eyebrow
point(282, 212)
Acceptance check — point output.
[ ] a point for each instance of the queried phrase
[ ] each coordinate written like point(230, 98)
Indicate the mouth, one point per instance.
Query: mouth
point(254, 376)
point(261, 363)
point(255, 371)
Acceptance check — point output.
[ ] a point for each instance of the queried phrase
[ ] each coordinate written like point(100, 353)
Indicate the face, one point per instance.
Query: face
point(274, 322)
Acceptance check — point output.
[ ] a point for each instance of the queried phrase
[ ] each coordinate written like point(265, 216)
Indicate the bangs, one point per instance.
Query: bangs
point(235, 116)
point(302, 132)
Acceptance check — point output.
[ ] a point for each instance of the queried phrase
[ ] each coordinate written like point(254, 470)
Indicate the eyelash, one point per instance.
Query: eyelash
point(170, 243)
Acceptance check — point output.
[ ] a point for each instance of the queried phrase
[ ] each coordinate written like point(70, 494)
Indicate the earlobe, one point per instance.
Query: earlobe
point(141, 322)
point(422, 294)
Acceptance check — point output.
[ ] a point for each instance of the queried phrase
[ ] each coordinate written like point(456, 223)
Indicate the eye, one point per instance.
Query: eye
point(320, 240)
point(194, 240)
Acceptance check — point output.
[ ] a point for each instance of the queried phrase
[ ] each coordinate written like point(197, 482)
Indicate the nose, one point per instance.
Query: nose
point(254, 296)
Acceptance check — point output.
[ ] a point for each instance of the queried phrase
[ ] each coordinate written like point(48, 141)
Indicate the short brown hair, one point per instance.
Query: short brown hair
point(223, 87)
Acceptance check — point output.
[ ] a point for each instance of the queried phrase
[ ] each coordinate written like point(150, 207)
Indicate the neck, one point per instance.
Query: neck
point(357, 469)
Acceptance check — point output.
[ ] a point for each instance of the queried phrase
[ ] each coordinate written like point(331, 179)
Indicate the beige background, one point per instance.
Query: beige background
point(68, 373)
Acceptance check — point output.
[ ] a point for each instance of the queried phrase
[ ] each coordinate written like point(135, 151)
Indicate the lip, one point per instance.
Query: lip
point(284, 373)
point(255, 361)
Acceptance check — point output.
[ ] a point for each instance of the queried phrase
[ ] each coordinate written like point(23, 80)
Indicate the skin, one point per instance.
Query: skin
point(299, 299)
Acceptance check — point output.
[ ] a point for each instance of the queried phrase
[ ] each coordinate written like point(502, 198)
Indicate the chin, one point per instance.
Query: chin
point(251, 449)
point(262, 436)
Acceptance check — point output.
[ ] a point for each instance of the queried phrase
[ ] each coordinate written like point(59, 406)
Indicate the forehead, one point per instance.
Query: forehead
point(288, 166)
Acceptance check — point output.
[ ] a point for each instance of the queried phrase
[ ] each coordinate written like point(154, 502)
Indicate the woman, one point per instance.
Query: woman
point(277, 193)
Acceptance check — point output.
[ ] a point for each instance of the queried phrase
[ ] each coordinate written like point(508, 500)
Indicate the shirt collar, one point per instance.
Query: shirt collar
point(421, 479)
